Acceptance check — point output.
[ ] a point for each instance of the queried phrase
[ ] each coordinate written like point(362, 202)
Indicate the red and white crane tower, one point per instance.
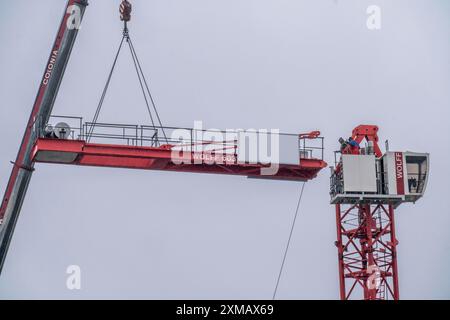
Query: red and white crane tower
point(366, 187)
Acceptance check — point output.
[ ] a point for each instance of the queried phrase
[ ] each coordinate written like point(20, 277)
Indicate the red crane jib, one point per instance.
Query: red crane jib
point(79, 152)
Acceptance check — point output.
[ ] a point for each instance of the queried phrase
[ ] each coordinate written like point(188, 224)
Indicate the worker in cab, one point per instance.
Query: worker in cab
point(353, 145)
point(349, 146)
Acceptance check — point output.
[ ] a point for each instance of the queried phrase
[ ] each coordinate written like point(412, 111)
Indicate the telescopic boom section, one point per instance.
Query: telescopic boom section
point(42, 108)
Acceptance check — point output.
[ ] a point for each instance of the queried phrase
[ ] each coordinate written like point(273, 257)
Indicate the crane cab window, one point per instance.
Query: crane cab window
point(417, 170)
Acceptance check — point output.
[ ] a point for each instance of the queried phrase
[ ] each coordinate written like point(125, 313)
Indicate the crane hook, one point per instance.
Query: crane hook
point(125, 11)
point(125, 15)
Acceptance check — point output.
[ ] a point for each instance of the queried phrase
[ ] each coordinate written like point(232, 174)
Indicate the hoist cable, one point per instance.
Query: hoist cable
point(140, 82)
point(289, 241)
point(147, 86)
point(105, 89)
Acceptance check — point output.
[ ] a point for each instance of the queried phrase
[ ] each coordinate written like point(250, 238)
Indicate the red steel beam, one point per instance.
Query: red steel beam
point(79, 152)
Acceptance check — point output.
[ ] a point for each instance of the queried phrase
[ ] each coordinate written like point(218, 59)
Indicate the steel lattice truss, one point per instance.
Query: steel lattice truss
point(367, 251)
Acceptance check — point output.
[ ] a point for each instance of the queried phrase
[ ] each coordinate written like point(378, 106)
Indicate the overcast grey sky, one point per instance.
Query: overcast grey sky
point(288, 64)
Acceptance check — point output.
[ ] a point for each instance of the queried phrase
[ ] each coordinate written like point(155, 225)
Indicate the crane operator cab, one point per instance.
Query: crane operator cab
point(405, 173)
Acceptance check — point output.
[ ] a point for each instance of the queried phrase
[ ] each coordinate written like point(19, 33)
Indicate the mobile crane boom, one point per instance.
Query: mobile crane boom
point(42, 108)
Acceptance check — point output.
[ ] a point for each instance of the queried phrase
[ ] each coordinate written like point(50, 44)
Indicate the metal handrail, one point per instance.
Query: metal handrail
point(144, 135)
